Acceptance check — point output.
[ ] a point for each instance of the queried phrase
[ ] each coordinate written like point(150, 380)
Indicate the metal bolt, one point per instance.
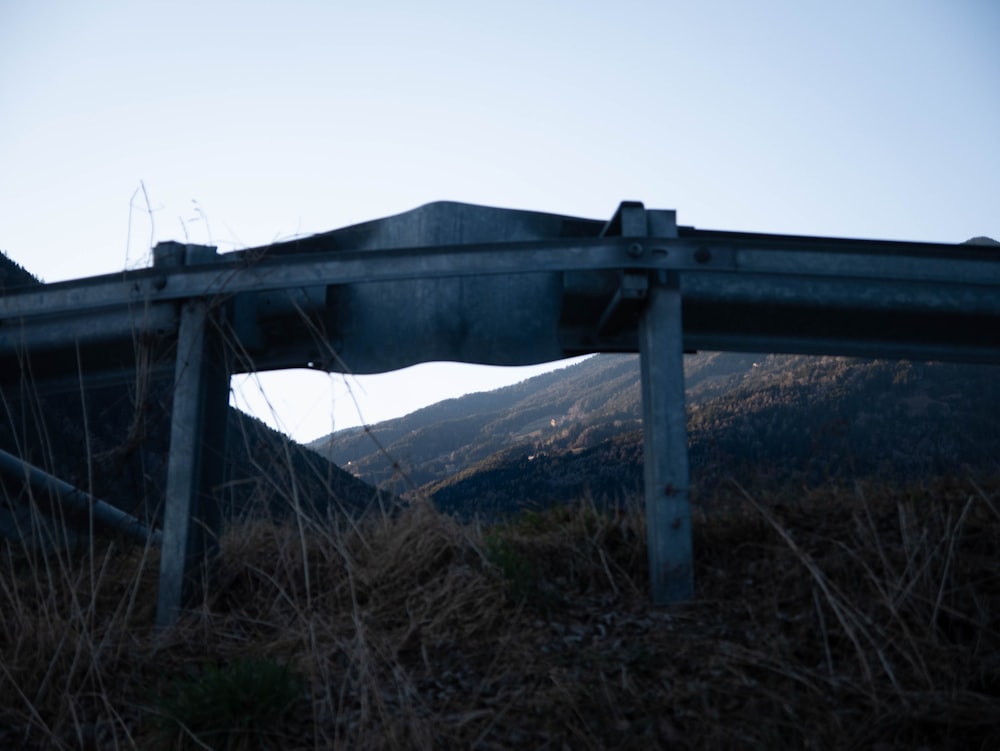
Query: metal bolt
point(676, 523)
point(670, 490)
point(635, 250)
point(703, 255)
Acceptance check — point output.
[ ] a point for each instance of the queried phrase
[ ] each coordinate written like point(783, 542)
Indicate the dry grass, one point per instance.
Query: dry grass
point(865, 618)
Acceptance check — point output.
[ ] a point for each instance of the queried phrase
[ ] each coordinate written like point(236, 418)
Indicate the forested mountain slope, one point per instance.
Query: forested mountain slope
point(114, 441)
point(775, 419)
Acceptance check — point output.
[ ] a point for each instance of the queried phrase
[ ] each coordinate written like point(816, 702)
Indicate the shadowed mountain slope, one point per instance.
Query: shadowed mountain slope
point(113, 442)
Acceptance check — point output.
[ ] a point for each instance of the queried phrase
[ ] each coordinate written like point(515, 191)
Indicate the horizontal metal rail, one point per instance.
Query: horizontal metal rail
point(857, 261)
point(73, 506)
point(478, 284)
point(719, 276)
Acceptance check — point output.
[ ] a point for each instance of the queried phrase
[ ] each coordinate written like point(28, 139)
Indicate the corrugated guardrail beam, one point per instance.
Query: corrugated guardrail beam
point(470, 283)
point(740, 292)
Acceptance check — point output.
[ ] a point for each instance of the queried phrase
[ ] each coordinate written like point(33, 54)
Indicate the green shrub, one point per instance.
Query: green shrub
point(513, 566)
point(232, 706)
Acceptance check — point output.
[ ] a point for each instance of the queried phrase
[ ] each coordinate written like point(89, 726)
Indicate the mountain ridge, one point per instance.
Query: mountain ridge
point(757, 418)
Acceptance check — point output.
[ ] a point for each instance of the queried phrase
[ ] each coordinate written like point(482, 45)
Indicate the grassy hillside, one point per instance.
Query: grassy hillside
point(827, 615)
point(830, 620)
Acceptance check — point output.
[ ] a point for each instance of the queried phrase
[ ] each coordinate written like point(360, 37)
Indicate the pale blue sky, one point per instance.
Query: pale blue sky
point(251, 121)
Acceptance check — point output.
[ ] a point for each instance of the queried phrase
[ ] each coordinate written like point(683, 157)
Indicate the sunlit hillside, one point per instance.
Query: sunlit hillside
point(768, 421)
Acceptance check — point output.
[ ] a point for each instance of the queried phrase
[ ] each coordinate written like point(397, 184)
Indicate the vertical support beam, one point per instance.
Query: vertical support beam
point(192, 521)
point(665, 454)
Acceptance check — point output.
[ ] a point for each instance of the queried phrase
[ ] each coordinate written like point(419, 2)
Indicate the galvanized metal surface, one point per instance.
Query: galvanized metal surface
point(665, 450)
point(192, 521)
point(478, 284)
point(70, 506)
point(469, 283)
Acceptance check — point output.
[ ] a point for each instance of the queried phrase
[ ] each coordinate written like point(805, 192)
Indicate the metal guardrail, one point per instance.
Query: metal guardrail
point(469, 283)
point(64, 503)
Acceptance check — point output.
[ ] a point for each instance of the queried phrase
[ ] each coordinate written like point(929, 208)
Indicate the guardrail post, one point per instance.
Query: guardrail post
point(665, 454)
point(192, 522)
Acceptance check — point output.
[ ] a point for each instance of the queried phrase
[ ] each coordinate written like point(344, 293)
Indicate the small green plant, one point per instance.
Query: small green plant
point(578, 520)
point(514, 567)
point(231, 706)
